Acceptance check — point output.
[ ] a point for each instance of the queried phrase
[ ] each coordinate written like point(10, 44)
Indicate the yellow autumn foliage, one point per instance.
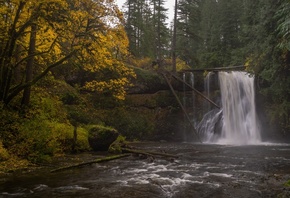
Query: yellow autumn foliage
point(86, 33)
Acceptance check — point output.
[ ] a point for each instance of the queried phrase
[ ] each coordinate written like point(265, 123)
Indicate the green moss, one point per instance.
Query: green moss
point(133, 123)
point(101, 130)
point(41, 130)
point(287, 184)
point(116, 146)
point(147, 75)
point(82, 143)
point(82, 140)
point(101, 137)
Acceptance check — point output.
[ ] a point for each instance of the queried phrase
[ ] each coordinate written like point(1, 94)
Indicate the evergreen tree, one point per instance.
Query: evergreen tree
point(146, 28)
point(188, 26)
point(273, 65)
point(161, 30)
point(221, 33)
point(133, 25)
point(209, 53)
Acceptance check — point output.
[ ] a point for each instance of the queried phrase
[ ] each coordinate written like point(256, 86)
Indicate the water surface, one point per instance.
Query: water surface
point(200, 171)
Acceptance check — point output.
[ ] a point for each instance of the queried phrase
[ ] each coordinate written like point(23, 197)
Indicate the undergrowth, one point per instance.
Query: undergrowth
point(39, 131)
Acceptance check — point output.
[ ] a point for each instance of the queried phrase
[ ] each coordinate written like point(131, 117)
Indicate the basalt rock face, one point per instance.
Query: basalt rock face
point(147, 82)
point(151, 81)
point(100, 137)
point(152, 111)
point(159, 115)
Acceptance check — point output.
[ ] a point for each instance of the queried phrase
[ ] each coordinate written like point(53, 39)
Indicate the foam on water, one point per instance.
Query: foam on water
point(71, 188)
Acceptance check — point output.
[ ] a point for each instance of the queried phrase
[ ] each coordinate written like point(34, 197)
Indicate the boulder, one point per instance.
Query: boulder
point(101, 137)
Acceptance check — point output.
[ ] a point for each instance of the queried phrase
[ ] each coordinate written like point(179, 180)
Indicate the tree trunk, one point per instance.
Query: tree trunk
point(159, 31)
point(74, 140)
point(17, 72)
point(182, 107)
point(29, 65)
point(174, 39)
point(6, 56)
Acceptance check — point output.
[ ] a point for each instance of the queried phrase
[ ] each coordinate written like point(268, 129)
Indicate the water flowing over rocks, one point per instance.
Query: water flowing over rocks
point(201, 170)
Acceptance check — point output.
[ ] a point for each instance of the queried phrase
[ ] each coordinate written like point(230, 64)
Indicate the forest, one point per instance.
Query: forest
point(69, 65)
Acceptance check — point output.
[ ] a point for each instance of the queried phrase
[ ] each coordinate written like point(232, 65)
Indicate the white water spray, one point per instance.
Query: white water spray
point(237, 122)
point(207, 83)
point(240, 124)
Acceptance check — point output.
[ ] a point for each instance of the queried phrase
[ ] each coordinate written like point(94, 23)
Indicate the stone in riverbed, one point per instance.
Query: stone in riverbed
point(101, 137)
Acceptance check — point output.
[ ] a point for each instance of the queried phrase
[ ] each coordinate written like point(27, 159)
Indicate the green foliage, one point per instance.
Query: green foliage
point(273, 66)
point(38, 139)
point(80, 114)
point(148, 77)
point(101, 130)
point(45, 106)
point(116, 146)
point(131, 123)
point(70, 98)
point(287, 184)
point(4, 155)
point(41, 131)
point(66, 140)
point(10, 124)
point(283, 16)
point(147, 29)
point(37, 136)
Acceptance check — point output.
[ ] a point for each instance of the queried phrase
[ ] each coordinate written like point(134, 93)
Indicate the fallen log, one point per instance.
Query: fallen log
point(181, 105)
point(126, 153)
point(149, 153)
point(217, 69)
point(105, 159)
point(195, 90)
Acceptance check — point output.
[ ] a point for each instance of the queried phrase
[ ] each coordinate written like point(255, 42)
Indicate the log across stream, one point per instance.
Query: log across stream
point(151, 154)
point(201, 170)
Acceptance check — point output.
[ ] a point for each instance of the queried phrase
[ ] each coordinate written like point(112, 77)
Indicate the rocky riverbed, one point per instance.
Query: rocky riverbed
point(201, 170)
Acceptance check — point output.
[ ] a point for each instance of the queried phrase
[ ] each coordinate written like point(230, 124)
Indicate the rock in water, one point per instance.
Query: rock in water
point(101, 137)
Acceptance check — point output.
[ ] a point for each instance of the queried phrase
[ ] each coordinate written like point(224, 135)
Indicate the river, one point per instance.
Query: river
point(201, 170)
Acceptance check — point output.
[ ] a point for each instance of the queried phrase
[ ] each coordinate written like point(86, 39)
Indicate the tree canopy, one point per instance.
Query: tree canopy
point(37, 36)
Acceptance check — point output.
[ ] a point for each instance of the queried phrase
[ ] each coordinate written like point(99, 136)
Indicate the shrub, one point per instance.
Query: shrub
point(38, 139)
point(82, 143)
point(4, 155)
point(10, 123)
point(116, 146)
point(132, 123)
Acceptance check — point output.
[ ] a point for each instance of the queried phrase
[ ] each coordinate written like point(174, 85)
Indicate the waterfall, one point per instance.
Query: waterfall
point(236, 122)
point(188, 100)
point(207, 83)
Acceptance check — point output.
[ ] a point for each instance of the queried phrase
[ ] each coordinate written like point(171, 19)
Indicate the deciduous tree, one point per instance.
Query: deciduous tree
point(37, 36)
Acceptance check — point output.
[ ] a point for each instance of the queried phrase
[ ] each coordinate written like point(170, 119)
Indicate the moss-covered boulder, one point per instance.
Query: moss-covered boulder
point(101, 137)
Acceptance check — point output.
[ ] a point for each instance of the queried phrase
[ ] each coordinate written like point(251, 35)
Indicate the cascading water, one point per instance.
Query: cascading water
point(188, 100)
point(240, 124)
point(236, 122)
point(207, 83)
